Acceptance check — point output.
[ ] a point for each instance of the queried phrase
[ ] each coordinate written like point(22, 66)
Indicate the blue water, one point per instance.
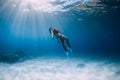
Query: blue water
point(27, 51)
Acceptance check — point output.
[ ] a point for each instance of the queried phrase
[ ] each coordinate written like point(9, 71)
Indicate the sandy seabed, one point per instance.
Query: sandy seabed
point(59, 69)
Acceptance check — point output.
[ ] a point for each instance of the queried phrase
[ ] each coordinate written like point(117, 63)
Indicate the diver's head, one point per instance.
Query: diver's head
point(50, 29)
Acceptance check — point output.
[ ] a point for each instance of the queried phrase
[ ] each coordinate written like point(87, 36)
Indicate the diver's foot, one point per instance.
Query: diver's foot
point(70, 50)
point(67, 54)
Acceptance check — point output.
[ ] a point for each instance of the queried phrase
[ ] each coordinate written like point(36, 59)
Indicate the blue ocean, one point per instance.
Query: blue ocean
point(30, 50)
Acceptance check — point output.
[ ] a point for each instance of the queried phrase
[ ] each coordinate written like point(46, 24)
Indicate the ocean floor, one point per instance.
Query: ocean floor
point(60, 69)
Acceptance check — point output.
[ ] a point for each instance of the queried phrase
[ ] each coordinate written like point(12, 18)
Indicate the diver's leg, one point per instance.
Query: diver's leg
point(66, 51)
point(63, 45)
point(68, 43)
point(66, 39)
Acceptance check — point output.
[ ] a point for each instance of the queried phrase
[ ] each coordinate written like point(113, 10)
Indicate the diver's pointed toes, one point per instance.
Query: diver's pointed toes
point(70, 50)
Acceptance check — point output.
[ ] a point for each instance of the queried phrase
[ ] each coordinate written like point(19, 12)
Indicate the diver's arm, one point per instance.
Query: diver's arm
point(52, 34)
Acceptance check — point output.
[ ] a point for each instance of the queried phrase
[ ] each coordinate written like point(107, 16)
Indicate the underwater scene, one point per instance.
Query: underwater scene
point(59, 40)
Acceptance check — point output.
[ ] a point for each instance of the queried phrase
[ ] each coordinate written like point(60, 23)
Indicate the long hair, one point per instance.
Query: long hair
point(50, 29)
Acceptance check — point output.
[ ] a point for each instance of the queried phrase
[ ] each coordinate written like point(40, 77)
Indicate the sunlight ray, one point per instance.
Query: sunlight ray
point(26, 15)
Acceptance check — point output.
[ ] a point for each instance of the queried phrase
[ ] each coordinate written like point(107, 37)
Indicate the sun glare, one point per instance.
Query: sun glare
point(37, 5)
point(41, 5)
